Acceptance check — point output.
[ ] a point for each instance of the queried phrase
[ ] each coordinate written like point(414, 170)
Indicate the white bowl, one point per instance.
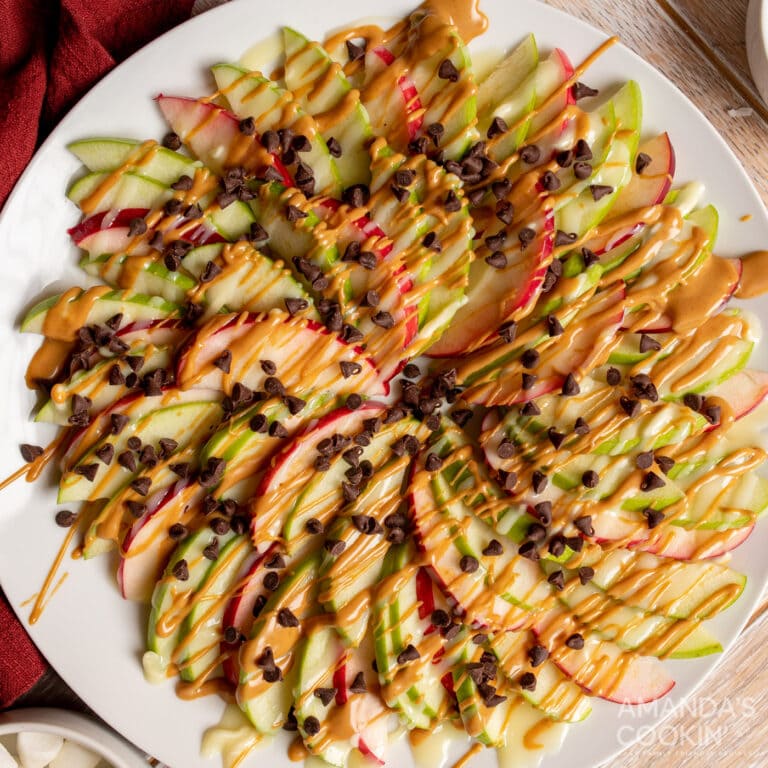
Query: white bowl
point(112, 748)
point(757, 44)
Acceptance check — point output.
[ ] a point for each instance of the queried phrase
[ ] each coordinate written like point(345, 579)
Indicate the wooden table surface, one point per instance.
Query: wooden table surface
point(699, 45)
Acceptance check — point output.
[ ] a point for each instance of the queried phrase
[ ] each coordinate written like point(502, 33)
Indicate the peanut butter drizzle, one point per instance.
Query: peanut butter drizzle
point(754, 276)
point(45, 594)
point(33, 469)
point(474, 751)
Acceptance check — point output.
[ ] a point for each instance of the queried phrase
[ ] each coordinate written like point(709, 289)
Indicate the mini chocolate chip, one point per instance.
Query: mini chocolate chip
point(127, 460)
point(557, 580)
point(172, 141)
point(530, 154)
point(141, 485)
point(582, 170)
point(582, 91)
point(335, 546)
point(642, 162)
point(461, 416)
point(271, 581)
point(106, 453)
point(440, 618)
point(693, 401)
point(505, 211)
point(554, 328)
point(326, 695)
point(649, 344)
point(665, 463)
point(530, 409)
point(65, 518)
point(411, 371)
point(651, 482)
point(539, 481)
point(356, 195)
point(497, 260)
point(497, 127)
point(452, 203)
point(580, 426)
point(433, 462)
point(224, 361)
point(631, 407)
point(494, 548)
point(314, 526)
point(613, 376)
point(555, 437)
point(644, 460)
point(584, 524)
point(590, 479)
point(469, 564)
point(582, 150)
point(529, 550)
point(575, 641)
point(116, 377)
point(88, 471)
point(549, 181)
point(586, 574)
point(447, 71)
point(564, 238)
point(575, 543)
point(311, 723)
point(383, 320)
point(528, 681)
point(543, 511)
point(408, 654)
point(355, 51)
point(276, 429)
point(480, 638)
point(286, 618)
point(570, 386)
point(181, 570)
point(358, 684)
point(530, 358)
point(712, 413)
point(506, 449)
point(529, 380)
point(599, 191)
point(508, 331)
point(653, 516)
point(557, 545)
point(30, 452)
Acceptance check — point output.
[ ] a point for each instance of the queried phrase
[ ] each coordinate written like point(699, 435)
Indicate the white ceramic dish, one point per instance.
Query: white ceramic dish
point(88, 633)
point(74, 727)
point(757, 44)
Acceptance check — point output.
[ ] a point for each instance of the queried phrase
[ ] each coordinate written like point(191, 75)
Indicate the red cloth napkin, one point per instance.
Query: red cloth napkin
point(51, 53)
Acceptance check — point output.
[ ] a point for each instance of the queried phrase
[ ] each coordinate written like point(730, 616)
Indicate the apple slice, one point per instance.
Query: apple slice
point(585, 343)
point(307, 357)
point(744, 391)
point(239, 612)
point(652, 185)
point(213, 134)
point(495, 296)
point(602, 668)
point(147, 545)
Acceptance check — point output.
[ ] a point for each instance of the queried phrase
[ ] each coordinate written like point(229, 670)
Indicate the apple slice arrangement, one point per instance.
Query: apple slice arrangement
point(525, 518)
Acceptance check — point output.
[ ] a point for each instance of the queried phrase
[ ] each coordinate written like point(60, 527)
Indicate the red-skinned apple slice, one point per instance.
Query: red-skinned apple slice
point(147, 545)
point(105, 220)
point(307, 356)
point(213, 134)
point(495, 296)
point(562, 98)
point(653, 184)
point(414, 113)
point(239, 610)
point(602, 668)
point(298, 457)
point(670, 540)
point(744, 391)
point(582, 347)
